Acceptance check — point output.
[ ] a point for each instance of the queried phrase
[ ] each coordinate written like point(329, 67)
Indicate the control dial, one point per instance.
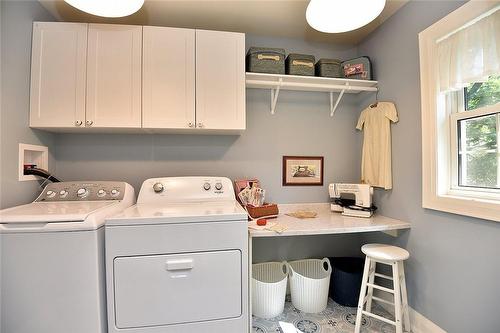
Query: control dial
point(63, 193)
point(114, 192)
point(158, 187)
point(206, 186)
point(82, 192)
point(101, 193)
point(50, 194)
point(218, 186)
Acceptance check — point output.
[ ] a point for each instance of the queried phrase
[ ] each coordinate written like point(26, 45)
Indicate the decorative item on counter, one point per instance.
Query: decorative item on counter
point(303, 214)
point(252, 198)
point(266, 60)
point(300, 64)
point(302, 170)
point(329, 68)
point(358, 68)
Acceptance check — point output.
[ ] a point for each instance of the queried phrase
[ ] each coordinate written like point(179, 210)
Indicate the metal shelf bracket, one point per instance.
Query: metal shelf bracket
point(341, 94)
point(274, 96)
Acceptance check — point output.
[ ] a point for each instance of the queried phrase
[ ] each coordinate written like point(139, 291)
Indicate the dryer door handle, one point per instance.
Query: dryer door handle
point(179, 264)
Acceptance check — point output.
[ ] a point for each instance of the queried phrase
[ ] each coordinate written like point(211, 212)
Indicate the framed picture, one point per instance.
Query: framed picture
point(302, 170)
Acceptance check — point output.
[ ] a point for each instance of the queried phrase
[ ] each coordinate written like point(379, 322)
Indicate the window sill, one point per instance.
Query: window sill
point(465, 205)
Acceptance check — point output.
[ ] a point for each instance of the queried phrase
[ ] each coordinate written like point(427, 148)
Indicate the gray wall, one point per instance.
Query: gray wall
point(454, 270)
point(301, 126)
point(16, 25)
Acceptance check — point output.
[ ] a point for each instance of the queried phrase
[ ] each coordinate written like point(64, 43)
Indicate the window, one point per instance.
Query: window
point(475, 127)
point(460, 90)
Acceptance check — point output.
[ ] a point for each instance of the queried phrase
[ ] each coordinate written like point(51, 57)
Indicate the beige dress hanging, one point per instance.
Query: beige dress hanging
point(375, 122)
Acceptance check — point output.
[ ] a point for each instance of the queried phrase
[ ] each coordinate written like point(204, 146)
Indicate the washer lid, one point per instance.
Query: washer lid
point(192, 212)
point(51, 212)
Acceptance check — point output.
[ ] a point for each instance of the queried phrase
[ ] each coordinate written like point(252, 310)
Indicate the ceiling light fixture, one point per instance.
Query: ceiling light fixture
point(107, 8)
point(334, 16)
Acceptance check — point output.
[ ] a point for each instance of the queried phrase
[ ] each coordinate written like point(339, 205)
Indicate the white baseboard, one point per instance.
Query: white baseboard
point(418, 323)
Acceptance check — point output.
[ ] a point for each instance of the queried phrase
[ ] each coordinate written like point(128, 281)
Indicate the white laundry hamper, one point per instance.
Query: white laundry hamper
point(269, 281)
point(309, 282)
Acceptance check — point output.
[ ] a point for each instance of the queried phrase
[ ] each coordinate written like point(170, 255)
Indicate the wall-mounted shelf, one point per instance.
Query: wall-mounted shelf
point(277, 82)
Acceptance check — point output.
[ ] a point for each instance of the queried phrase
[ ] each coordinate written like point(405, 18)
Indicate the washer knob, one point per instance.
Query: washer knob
point(218, 186)
point(158, 187)
point(114, 192)
point(206, 186)
point(63, 193)
point(82, 192)
point(101, 193)
point(50, 193)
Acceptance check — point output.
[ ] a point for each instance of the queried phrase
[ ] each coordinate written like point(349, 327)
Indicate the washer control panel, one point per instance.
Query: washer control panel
point(83, 191)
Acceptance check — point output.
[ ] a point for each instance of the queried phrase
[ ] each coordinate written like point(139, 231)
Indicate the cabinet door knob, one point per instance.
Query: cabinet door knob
point(190, 124)
point(200, 124)
point(89, 122)
point(78, 123)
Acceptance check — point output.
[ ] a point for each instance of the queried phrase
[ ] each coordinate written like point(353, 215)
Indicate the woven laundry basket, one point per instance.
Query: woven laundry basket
point(309, 283)
point(269, 282)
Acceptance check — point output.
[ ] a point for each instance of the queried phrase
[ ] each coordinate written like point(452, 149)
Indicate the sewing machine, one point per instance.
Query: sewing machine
point(361, 206)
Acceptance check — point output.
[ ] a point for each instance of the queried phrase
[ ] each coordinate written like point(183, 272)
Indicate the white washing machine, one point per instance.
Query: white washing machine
point(52, 258)
point(177, 261)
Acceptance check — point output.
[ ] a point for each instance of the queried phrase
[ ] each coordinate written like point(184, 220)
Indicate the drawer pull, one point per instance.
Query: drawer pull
point(179, 265)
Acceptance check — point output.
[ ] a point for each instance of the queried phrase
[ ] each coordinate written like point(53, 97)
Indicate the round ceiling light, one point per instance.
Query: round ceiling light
point(107, 8)
point(334, 16)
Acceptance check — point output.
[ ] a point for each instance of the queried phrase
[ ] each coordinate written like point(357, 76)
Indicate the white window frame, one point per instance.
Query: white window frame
point(438, 190)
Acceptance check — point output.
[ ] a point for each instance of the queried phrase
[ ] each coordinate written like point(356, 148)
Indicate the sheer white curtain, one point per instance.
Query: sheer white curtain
point(471, 54)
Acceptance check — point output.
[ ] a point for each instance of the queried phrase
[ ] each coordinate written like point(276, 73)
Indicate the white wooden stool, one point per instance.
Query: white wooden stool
point(394, 257)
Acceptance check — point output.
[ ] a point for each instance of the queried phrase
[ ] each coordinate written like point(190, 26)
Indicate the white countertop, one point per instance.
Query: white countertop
point(326, 222)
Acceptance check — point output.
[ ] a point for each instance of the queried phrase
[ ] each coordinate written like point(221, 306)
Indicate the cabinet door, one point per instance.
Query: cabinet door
point(220, 80)
point(168, 79)
point(114, 76)
point(58, 69)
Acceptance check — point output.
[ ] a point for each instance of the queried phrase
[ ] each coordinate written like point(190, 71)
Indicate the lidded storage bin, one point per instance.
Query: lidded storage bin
point(309, 283)
point(269, 281)
point(300, 64)
point(358, 68)
point(266, 60)
point(329, 68)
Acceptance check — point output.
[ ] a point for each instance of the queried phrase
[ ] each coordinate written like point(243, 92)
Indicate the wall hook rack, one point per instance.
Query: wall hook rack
point(278, 82)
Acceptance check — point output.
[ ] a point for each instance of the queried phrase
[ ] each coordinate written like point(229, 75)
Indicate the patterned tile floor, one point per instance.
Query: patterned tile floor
point(334, 319)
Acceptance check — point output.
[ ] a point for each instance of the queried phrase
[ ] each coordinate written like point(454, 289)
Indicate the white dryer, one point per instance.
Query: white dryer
point(52, 258)
point(177, 261)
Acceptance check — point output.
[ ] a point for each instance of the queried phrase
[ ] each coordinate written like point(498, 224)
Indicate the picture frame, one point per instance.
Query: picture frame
point(303, 170)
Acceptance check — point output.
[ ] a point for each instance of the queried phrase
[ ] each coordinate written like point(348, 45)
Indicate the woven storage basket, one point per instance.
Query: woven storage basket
point(269, 282)
point(309, 283)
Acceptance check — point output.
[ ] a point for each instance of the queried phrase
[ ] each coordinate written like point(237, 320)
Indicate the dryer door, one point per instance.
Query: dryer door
point(177, 288)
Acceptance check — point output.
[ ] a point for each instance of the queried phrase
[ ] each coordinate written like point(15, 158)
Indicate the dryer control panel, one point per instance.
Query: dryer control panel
point(83, 191)
point(186, 189)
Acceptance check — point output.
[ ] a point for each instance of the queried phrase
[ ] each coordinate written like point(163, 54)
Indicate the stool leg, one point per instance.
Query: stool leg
point(397, 297)
point(362, 294)
point(404, 296)
point(371, 279)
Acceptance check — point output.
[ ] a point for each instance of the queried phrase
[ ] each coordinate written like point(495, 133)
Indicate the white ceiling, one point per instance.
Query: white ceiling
point(281, 18)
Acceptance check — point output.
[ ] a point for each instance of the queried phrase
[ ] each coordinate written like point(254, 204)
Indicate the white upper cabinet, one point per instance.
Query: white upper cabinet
point(117, 77)
point(168, 78)
point(220, 80)
point(114, 57)
point(58, 69)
